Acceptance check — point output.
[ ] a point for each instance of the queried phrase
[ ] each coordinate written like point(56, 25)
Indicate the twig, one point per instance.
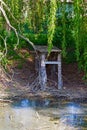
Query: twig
point(54, 82)
point(37, 114)
point(31, 43)
point(5, 47)
point(5, 100)
point(40, 128)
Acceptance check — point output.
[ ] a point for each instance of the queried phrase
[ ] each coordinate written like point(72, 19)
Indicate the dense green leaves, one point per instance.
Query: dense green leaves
point(51, 23)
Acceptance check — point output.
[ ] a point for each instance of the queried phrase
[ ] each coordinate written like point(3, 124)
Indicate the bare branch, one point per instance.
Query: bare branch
point(26, 39)
point(13, 28)
point(4, 54)
point(8, 22)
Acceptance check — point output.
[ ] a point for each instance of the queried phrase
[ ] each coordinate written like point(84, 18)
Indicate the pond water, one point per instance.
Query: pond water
point(43, 114)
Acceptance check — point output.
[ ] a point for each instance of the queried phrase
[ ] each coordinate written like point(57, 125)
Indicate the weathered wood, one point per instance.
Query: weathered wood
point(52, 62)
point(60, 82)
point(42, 51)
point(42, 73)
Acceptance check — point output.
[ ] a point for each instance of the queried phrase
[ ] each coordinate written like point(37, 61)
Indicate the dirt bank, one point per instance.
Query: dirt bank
point(23, 82)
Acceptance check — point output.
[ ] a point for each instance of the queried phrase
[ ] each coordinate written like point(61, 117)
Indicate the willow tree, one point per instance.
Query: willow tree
point(83, 38)
point(79, 33)
point(78, 28)
point(35, 15)
point(42, 16)
point(77, 25)
point(5, 10)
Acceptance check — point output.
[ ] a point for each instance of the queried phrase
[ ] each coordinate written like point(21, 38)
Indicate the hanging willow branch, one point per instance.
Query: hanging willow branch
point(51, 24)
point(64, 28)
point(10, 26)
point(8, 9)
point(77, 25)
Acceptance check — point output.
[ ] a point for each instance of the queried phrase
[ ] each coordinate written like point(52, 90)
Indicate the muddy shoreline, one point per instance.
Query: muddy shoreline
point(62, 95)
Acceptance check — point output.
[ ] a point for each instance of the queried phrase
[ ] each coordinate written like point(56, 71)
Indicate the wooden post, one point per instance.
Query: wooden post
point(60, 82)
point(42, 72)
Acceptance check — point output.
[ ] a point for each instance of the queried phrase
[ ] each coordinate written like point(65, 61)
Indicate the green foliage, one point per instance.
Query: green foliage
point(64, 29)
point(4, 62)
point(40, 39)
point(47, 22)
point(79, 35)
point(51, 24)
point(77, 25)
point(37, 39)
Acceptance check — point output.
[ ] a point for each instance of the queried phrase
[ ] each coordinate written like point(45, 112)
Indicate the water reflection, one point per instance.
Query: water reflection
point(74, 108)
point(31, 103)
point(43, 115)
point(73, 115)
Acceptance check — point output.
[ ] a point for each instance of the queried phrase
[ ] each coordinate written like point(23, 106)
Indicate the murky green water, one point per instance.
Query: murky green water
point(43, 115)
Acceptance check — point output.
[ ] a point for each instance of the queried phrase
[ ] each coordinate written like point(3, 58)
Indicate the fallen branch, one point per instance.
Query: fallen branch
point(5, 100)
point(37, 114)
point(40, 128)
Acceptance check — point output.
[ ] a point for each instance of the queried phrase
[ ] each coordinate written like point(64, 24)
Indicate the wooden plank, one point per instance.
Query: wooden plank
point(44, 49)
point(52, 62)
